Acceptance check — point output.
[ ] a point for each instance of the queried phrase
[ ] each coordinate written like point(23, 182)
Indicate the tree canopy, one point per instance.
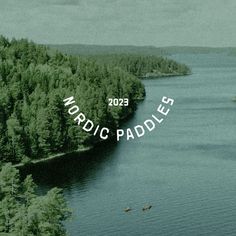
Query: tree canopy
point(23, 212)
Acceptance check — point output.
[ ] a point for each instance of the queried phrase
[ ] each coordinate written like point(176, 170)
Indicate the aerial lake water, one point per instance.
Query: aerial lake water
point(185, 168)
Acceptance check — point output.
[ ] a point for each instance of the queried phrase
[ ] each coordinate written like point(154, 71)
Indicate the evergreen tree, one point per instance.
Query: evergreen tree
point(23, 213)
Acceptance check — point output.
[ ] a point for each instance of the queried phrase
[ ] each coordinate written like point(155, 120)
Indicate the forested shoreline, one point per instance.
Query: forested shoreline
point(35, 79)
point(143, 66)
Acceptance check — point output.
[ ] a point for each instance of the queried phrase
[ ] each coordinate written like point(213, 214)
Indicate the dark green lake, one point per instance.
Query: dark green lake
point(186, 168)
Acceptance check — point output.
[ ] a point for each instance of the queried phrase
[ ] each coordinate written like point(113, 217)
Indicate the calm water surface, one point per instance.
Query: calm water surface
point(186, 168)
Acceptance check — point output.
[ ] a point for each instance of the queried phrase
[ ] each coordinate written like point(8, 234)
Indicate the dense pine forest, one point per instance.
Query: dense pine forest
point(35, 79)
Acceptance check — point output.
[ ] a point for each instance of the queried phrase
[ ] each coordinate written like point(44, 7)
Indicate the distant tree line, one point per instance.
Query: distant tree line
point(143, 66)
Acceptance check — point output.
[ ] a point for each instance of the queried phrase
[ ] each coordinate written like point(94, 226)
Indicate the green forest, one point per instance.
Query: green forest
point(24, 213)
point(35, 79)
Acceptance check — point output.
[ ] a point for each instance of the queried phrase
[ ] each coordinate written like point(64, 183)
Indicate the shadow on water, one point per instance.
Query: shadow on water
point(75, 168)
